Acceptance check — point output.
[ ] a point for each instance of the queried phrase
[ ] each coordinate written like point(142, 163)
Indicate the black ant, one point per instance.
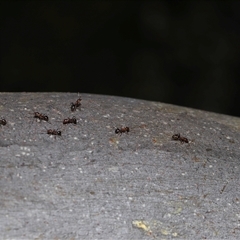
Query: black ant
point(70, 120)
point(54, 132)
point(3, 121)
point(75, 105)
point(40, 116)
point(177, 137)
point(122, 130)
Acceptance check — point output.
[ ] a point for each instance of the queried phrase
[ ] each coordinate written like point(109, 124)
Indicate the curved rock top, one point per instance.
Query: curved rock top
point(91, 183)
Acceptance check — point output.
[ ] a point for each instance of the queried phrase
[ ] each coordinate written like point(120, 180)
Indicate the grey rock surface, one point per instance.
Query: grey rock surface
point(91, 183)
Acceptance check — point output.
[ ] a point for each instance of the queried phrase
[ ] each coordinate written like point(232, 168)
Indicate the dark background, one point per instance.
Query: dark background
point(180, 52)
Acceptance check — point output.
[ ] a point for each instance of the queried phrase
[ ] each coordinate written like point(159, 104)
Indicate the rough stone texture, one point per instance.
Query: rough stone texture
point(94, 184)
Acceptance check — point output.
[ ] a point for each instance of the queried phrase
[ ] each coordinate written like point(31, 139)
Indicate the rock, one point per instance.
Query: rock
point(91, 183)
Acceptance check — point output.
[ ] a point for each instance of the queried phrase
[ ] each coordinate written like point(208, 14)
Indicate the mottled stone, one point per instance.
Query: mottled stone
point(91, 183)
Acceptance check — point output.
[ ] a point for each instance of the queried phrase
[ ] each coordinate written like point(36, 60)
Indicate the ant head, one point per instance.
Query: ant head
point(73, 107)
point(49, 131)
point(117, 130)
point(45, 118)
point(59, 133)
point(127, 129)
point(65, 121)
point(74, 120)
point(78, 102)
point(3, 121)
point(176, 136)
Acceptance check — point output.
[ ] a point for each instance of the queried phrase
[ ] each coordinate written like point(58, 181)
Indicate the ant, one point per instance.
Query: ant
point(54, 132)
point(40, 116)
point(3, 121)
point(177, 137)
point(122, 130)
point(75, 105)
point(70, 120)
